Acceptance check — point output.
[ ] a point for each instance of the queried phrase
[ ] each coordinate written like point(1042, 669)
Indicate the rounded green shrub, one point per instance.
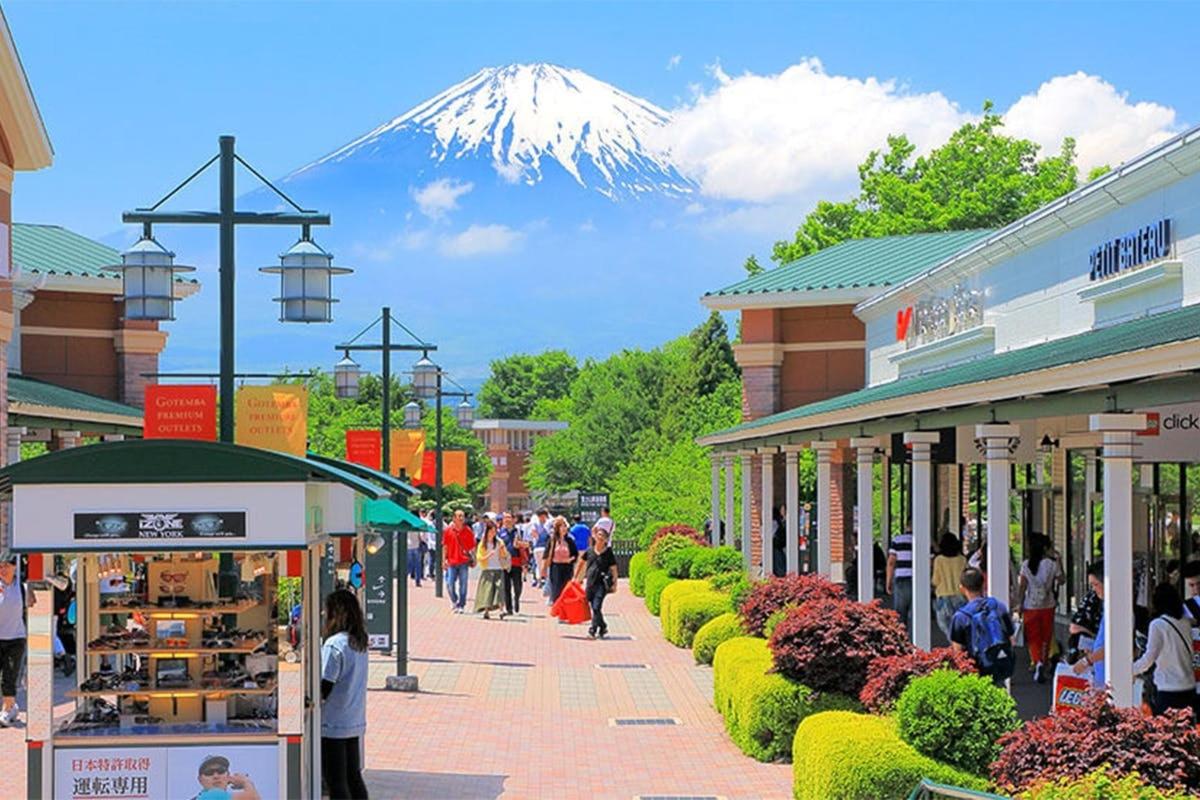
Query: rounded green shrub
point(710, 561)
point(720, 628)
point(688, 612)
point(1100, 784)
point(736, 584)
point(848, 756)
point(639, 565)
point(656, 581)
point(762, 709)
point(678, 563)
point(664, 546)
point(672, 594)
point(956, 718)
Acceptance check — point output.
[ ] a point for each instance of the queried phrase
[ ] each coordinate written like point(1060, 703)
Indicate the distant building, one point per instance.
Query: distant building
point(509, 443)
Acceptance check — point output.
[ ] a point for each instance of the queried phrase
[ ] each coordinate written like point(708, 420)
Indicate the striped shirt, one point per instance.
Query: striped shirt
point(902, 549)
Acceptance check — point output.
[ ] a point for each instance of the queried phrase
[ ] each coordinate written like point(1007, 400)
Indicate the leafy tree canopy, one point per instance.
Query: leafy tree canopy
point(979, 179)
point(752, 266)
point(517, 382)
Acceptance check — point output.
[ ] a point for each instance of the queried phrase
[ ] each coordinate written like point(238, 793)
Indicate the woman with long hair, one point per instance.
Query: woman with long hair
point(1037, 588)
point(558, 559)
point(1169, 653)
point(598, 566)
point(493, 559)
point(343, 695)
point(948, 566)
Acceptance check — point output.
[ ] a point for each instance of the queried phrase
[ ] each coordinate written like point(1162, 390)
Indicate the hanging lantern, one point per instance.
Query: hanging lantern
point(425, 378)
point(412, 414)
point(148, 280)
point(346, 375)
point(306, 282)
point(465, 414)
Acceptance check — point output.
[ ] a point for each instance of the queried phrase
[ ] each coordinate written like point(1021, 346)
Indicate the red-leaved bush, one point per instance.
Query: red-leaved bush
point(776, 594)
point(827, 644)
point(1164, 751)
point(680, 529)
point(889, 675)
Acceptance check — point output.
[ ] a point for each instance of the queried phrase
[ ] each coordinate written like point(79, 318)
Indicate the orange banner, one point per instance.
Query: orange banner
point(273, 418)
point(454, 468)
point(365, 448)
point(408, 450)
point(180, 412)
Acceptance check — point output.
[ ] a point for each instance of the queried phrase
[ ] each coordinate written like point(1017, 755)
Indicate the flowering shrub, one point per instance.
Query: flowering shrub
point(827, 644)
point(887, 677)
point(664, 546)
point(1164, 751)
point(710, 561)
point(775, 593)
point(1099, 784)
point(955, 718)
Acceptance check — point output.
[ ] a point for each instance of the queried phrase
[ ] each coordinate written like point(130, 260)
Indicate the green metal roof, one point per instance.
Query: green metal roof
point(387, 514)
point(40, 393)
point(54, 250)
point(1139, 334)
point(858, 263)
point(393, 483)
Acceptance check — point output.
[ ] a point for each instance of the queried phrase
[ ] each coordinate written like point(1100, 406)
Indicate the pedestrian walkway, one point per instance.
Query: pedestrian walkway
point(529, 708)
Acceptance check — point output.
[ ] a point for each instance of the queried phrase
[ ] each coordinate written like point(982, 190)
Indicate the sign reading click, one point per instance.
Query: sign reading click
point(1148, 243)
point(160, 525)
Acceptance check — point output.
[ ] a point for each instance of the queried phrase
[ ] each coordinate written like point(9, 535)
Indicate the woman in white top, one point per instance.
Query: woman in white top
point(1169, 652)
point(1037, 588)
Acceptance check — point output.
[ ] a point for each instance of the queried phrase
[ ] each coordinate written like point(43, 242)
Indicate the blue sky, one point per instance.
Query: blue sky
point(134, 94)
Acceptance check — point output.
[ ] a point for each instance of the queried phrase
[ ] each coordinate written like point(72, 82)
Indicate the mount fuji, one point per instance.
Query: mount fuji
point(527, 207)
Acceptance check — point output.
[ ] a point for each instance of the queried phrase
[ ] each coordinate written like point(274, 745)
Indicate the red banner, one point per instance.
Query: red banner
point(180, 412)
point(365, 447)
point(454, 466)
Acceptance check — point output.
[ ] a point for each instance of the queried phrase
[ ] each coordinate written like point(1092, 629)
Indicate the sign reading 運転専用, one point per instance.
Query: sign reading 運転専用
point(180, 412)
point(273, 418)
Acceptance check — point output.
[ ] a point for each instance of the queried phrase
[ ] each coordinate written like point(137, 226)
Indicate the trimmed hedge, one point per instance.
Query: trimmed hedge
point(762, 709)
point(956, 718)
point(713, 633)
point(861, 757)
point(1101, 784)
point(690, 610)
point(664, 546)
point(656, 581)
point(710, 561)
point(678, 563)
point(639, 565)
point(672, 594)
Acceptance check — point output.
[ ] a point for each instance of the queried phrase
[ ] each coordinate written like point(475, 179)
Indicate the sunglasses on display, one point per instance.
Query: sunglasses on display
point(209, 772)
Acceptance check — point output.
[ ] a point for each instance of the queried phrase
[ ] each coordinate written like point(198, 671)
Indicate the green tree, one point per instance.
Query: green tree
point(752, 266)
point(980, 178)
point(712, 356)
point(517, 382)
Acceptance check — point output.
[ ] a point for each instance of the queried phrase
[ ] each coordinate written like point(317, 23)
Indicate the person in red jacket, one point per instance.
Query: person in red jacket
point(458, 545)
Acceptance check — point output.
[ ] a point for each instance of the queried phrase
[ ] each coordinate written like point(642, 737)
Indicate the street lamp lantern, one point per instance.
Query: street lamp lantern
point(346, 374)
point(148, 277)
point(425, 375)
point(412, 414)
point(306, 282)
point(465, 414)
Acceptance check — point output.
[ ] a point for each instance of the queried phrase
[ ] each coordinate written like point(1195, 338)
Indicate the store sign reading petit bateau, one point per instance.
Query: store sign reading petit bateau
point(180, 412)
point(273, 418)
point(1146, 244)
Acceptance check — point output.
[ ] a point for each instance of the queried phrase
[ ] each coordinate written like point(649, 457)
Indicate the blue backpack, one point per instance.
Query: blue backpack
point(990, 645)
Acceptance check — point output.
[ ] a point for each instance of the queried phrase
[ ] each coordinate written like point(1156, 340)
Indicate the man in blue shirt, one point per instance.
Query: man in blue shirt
point(983, 628)
point(581, 533)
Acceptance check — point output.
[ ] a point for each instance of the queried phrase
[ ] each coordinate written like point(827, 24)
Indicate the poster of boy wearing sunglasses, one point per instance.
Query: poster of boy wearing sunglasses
point(218, 783)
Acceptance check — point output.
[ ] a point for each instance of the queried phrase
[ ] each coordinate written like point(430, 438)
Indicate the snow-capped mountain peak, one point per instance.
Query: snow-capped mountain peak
point(527, 116)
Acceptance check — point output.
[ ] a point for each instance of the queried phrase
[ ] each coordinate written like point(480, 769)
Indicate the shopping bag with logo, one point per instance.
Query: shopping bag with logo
point(572, 605)
point(1070, 689)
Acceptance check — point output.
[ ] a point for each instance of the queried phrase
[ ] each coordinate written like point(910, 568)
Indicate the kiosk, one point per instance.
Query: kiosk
point(196, 569)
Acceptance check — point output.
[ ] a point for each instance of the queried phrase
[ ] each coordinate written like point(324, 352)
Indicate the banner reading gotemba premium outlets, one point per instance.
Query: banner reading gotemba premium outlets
point(408, 449)
point(273, 418)
point(180, 412)
point(365, 448)
point(454, 466)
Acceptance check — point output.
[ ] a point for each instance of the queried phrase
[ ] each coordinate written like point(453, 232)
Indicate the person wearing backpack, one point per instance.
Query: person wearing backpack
point(1036, 593)
point(983, 628)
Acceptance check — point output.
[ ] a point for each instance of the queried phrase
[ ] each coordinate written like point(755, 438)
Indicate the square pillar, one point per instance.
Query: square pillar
point(922, 443)
point(865, 448)
point(729, 496)
point(65, 440)
point(998, 442)
point(12, 450)
point(747, 504)
point(715, 509)
point(791, 460)
point(1119, 432)
point(824, 451)
point(767, 511)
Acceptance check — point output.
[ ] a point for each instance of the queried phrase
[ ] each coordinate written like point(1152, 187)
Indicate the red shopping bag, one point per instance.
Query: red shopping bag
point(572, 605)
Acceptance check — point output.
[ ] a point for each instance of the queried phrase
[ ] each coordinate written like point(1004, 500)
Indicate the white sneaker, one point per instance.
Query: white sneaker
point(7, 718)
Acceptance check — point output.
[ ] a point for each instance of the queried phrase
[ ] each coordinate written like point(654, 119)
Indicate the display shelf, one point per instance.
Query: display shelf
point(178, 652)
point(234, 608)
point(166, 692)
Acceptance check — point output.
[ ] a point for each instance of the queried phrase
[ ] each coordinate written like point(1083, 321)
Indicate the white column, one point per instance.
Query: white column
point(747, 506)
point(729, 495)
point(865, 448)
point(824, 451)
point(767, 509)
point(791, 456)
point(998, 443)
point(955, 499)
point(922, 532)
point(12, 451)
point(1119, 432)
point(715, 508)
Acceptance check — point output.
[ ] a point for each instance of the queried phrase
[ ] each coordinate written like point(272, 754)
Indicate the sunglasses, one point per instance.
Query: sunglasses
point(208, 772)
point(173, 577)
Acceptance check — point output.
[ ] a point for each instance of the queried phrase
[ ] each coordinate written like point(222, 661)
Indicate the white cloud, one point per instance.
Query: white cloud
point(437, 199)
point(387, 250)
point(674, 61)
point(693, 209)
point(480, 240)
point(798, 135)
point(587, 227)
point(1108, 129)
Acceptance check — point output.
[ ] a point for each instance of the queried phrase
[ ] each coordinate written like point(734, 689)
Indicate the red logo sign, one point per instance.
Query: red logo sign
point(365, 448)
point(1153, 424)
point(180, 412)
point(903, 320)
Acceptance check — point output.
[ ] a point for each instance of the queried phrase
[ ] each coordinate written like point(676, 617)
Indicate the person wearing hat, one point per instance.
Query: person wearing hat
point(12, 636)
point(216, 782)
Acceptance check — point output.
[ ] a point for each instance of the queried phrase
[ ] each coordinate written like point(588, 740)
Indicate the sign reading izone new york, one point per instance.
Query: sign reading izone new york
point(1148, 243)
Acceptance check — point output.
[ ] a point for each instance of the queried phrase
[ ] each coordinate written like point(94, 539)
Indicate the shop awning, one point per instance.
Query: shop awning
point(175, 461)
point(393, 483)
point(389, 514)
point(38, 404)
point(1161, 345)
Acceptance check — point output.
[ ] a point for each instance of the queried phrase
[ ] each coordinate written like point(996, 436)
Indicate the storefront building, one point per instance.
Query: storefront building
point(1050, 369)
point(509, 443)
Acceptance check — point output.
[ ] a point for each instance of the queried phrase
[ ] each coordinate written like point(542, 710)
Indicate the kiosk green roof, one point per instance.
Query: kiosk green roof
point(387, 514)
point(391, 482)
